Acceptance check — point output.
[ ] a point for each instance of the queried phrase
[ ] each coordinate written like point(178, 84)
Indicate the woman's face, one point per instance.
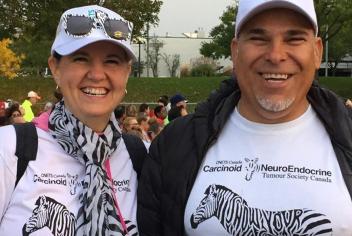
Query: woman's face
point(16, 117)
point(93, 81)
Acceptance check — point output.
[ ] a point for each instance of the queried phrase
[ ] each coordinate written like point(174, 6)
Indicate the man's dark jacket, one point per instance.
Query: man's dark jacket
point(176, 155)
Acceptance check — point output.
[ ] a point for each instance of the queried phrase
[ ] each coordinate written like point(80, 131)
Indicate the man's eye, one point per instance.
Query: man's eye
point(296, 40)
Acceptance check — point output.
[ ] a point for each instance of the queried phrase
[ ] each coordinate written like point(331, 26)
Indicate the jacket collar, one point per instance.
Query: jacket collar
point(212, 115)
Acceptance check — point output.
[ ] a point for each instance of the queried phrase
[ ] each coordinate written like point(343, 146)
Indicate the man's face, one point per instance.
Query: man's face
point(275, 58)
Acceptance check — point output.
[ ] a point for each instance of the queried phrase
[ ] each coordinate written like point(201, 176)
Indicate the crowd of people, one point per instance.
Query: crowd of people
point(140, 120)
point(268, 153)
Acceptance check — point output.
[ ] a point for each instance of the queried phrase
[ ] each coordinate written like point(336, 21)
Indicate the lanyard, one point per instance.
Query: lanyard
point(108, 170)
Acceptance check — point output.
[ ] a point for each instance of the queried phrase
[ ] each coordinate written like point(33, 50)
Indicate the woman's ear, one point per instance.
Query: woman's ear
point(54, 65)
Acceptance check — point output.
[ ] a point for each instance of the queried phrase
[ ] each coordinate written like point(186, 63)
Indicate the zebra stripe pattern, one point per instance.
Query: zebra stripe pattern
point(98, 215)
point(49, 213)
point(238, 218)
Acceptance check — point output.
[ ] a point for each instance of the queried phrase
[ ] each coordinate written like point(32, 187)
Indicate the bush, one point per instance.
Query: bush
point(203, 70)
point(184, 71)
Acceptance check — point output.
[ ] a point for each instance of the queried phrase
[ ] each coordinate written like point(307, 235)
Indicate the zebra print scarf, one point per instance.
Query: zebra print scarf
point(97, 215)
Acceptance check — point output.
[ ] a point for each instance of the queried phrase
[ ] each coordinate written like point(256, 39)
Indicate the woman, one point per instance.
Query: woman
point(83, 180)
point(14, 114)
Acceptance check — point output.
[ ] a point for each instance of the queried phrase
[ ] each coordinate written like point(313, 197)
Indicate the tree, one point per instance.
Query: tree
point(332, 16)
point(222, 36)
point(172, 62)
point(41, 16)
point(154, 55)
point(32, 24)
point(10, 63)
point(339, 47)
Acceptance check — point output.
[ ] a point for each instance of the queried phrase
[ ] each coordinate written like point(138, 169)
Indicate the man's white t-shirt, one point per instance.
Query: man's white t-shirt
point(270, 179)
point(54, 181)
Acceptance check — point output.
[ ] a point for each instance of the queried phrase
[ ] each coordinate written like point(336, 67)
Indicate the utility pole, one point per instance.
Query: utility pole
point(327, 52)
point(148, 50)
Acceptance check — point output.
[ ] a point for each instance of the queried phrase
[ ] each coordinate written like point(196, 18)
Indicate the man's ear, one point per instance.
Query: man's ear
point(318, 52)
point(54, 68)
point(234, 51)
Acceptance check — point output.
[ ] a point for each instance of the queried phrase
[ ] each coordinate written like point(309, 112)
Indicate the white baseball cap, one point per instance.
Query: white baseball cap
point(249, 8)
point(81, 26)
point(32, 94)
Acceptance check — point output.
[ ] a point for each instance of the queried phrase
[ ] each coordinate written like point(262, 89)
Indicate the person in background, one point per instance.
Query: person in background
point(41, 121)
point(129, 123)
point(131, 110)
point(176, 111)
point(144, 108)
point(143, 123)
point(83, 180)
point(32, 99)
point(160, 114)
point(348, 103)
point(154, 128)
point(3, 118)
point(178, 100)
point(14, 114)
point(120, 114)
point(268, 153)
point(164, 101)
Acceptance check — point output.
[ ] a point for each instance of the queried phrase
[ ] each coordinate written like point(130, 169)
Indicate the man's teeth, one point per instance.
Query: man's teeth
point(275, 76)
point(95, 91)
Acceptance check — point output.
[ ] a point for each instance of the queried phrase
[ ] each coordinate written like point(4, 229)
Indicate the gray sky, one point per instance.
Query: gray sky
point(181, 16)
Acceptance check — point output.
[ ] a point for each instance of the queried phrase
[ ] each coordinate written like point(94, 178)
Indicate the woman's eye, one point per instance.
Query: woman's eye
point(113, 61)
point(80, 59)
point(257, 38)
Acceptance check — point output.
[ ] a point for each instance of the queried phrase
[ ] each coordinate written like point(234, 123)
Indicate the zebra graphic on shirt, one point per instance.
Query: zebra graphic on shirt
point(238, 218)
point(251, 167)
point(52, 214)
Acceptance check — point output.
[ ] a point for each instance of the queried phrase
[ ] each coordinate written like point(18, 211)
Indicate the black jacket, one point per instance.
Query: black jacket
point(176, 155)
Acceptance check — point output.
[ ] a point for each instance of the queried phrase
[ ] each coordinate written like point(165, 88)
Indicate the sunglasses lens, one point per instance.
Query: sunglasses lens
point(79, 25)
point(117, 29)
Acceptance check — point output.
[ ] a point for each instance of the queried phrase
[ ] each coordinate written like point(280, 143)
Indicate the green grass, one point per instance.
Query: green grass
point(340, 85)
point(148, 89)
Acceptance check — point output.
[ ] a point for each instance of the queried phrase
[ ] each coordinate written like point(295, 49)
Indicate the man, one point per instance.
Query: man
point(270, 153)
point(32, 99)
point(178, 100)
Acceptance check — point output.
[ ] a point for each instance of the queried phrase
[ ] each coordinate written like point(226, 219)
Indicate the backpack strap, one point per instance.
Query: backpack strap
point(137, 151)
point(26, 146)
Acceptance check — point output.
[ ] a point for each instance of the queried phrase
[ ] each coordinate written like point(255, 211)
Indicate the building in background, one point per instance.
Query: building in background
point(187, 46)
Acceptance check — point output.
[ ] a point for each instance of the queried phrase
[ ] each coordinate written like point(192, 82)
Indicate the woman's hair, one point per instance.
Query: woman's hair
point(143, 107)
point(141, 117)
point(157, 110)
point(57, 56)
point(131, 110)
point(13, 108)
point(120, 111)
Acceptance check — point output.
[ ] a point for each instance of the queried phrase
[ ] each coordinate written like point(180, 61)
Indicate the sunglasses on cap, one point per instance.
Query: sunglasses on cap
point(82, 26)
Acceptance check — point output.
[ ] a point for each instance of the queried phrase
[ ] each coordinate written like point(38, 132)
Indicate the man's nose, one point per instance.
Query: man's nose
point(276, 52)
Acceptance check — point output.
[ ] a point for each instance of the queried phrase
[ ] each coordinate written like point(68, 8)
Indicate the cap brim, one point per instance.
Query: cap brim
point(68, 48)
point(275, 4)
